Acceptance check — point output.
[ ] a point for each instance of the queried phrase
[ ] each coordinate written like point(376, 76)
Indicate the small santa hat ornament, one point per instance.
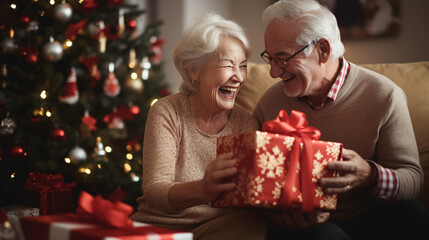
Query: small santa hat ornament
point(111, 85)
point(70, 93)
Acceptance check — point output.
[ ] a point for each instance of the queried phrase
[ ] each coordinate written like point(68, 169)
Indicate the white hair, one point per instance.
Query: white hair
point(199, 41)
point(314, 22)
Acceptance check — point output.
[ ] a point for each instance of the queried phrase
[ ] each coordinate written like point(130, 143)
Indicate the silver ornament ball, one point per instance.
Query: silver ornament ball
point(77, 154)
point(8, 45)
point(63, 12)
point(53, 51)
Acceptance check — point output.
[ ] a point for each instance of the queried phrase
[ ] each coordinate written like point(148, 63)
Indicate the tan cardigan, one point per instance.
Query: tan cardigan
point(175, 150)
point(369, 116)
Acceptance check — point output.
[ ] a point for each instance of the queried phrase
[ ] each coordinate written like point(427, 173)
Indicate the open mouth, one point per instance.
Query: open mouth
point(228, 92)
point(289, 78)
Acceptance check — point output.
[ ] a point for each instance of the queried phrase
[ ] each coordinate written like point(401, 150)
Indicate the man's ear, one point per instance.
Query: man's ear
point(324, 48)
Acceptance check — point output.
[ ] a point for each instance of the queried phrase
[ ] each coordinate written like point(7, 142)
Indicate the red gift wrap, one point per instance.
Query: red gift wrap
point(280, 167)
point(69, 226)
point(48, 192)
point(96, 219)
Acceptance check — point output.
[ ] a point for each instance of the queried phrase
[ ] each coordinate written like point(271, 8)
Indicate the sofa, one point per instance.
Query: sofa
point(413, 78)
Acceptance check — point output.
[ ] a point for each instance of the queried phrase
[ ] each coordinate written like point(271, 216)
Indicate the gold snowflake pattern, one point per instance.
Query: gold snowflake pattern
point(328, 202)
point(288, 142)
point(272, 164)
point(247, 142)
point(319, 192)
point(262, 140)
point(318, 169)
point(277, 192)
point(318, 155)
point(294, 189)
point(227, 143)
point(256, 187)
point(333, 149)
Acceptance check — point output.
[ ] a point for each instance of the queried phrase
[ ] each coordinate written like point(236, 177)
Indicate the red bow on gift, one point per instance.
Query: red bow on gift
point(115, 214)
point(296, 126)
point(42, 182)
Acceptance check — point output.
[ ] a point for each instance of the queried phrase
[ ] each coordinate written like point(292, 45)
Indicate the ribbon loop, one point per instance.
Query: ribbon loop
point(296, 126)
point(114, 214)
point(45, 183)
point(42, 182)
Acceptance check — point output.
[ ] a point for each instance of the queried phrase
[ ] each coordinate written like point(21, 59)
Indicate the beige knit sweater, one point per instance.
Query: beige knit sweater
point(369, 116)
point(174, 151)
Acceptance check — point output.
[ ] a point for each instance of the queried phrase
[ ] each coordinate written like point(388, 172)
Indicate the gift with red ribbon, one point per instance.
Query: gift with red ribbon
point(97, 209)
point(96, 219)
point(279, 167)
point(48, 192)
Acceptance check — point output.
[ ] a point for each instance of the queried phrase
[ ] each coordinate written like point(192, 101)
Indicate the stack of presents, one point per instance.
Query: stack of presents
point(278, 169)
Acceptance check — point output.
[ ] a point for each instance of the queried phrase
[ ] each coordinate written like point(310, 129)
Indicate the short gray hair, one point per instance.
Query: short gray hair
point(314, 21)
point(199, 41)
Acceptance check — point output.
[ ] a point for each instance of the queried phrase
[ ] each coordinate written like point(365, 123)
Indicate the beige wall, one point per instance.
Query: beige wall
point(411, 44)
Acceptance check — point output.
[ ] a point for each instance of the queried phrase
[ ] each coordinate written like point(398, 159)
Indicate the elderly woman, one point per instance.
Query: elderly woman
point(181, 173)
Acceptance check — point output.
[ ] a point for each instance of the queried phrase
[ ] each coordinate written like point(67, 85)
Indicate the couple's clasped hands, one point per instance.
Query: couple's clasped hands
point(354, 171)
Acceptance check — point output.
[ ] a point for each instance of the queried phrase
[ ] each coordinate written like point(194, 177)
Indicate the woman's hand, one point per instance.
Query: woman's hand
point(217, 176)
point(216, 180)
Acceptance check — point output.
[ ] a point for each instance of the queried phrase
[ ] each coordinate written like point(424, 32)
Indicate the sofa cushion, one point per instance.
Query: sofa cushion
point(413, 78)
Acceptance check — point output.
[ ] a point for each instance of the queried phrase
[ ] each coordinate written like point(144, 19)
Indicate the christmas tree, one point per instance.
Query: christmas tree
point(76, 84)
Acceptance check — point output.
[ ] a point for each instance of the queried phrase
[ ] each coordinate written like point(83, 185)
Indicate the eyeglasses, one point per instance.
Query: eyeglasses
point(280, 61)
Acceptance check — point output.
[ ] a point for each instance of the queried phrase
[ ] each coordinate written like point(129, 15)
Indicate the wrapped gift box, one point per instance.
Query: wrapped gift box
point(19, 211)
point(16, 212)
point(48, 192)
point(70, 226)
point(279, 171)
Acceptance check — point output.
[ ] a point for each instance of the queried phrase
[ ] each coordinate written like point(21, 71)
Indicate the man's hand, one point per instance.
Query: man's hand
point(296, 220)
point(355, 172)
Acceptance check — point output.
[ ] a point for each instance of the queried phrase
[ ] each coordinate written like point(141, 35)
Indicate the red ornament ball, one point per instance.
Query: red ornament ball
point(58, 134)
point(135, 110)
point(31, 58)
point(131, 24)
point(17, 152)
point(24, 20)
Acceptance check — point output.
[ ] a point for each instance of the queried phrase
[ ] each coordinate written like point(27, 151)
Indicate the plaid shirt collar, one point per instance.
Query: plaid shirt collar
point(335, 88)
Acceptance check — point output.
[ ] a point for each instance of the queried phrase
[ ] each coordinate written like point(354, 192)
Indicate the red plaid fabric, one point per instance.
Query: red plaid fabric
point(340, 80)
point(335, 88)
point(388, 184)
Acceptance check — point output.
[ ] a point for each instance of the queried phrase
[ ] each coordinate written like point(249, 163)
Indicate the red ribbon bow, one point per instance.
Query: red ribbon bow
point(42, 182)
point(115, 214)
point(296, 126)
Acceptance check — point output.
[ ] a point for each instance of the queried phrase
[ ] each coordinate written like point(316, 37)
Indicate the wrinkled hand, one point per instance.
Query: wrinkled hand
point(297, 221)
point(214, 181)
point(355, 172)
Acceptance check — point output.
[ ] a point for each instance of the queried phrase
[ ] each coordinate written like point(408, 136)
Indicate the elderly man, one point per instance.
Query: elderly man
point(365, 111)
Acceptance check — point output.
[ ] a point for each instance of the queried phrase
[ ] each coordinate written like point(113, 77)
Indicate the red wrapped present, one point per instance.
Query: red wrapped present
point(280, 167)
point(96, 219)
point(48, 192)
point(13, 214)
point(70, 226)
